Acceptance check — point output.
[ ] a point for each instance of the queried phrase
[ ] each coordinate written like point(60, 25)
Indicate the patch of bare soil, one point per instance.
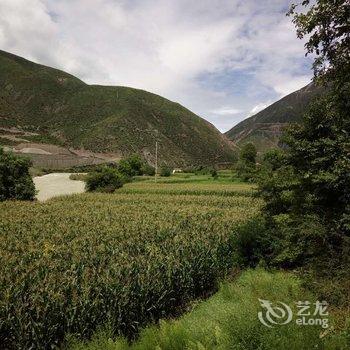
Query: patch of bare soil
point(57, 184)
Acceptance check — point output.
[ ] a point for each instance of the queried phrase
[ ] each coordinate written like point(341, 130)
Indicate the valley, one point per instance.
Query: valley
point(131, 222)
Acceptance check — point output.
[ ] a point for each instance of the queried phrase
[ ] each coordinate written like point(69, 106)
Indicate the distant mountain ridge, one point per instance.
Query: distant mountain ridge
point(265, 128)
point(61, 109)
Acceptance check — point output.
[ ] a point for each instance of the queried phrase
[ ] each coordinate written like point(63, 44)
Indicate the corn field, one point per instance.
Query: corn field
point(126, 259)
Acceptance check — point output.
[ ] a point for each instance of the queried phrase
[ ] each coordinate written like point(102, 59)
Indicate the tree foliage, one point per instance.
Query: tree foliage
point(246, 166)
point(15, 180)
point(326, 23)
point(165, 171)
point(248, 153)
point(307, 189)
point(104, 179)
point(131, 166)
point(148, 170)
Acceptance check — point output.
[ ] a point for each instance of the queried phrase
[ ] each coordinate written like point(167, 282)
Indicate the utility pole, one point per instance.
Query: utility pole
point(156, 165)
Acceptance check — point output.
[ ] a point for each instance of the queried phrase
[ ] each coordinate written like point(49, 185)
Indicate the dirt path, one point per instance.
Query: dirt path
point(56, 184)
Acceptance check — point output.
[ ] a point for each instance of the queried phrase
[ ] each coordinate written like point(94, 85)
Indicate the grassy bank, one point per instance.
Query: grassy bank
point(229, 320)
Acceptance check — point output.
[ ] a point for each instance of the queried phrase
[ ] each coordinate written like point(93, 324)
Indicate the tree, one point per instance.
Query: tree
point(307, 194)
point(273, 159)
point(246, 166)
point(327, 24)
point(319, 148)
point(248, 153)
point(15, 180)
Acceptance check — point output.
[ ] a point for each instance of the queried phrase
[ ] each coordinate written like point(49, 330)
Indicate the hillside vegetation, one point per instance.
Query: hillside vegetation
point(264, 129)
point(118, 120)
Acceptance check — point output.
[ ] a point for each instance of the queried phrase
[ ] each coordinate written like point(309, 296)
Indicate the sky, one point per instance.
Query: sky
point(223, 59)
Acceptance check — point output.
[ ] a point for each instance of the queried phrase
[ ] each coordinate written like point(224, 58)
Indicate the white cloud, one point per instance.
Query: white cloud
point(165, 46)
point(259, 107)
point(227, 111)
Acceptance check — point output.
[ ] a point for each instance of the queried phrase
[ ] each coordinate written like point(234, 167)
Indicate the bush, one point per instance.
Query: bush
point(105, 179)
point(148, 170)
point(165, 171)
point(214, 173)
point(252, 242)
point(189, 169)
point(135, 164)
point(15, 180)
point(131, 166)
point(78, 177)
point(280, 241)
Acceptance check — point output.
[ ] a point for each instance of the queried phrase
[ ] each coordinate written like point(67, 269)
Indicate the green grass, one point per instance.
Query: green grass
point(229, 320)
point(224, 176)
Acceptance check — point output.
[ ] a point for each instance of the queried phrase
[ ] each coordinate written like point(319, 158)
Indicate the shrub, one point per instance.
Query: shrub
point(124, 168)
point(130, 166)
point(135, 164)
point(148, 170)
point(189, 169)
point(105, 179)
point(165, 171)
point(306, 189)
point(282, 240)
point(201, 170)
point(252, 242)
point(78, 177)
point(214, 173)
point(15, 180)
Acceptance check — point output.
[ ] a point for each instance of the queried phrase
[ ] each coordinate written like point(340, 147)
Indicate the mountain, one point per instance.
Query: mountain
point(265, 128)
point(45, 105)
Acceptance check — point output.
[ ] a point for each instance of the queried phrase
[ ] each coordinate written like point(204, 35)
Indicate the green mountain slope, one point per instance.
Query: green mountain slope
point(119, 120)
point(264, 128)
